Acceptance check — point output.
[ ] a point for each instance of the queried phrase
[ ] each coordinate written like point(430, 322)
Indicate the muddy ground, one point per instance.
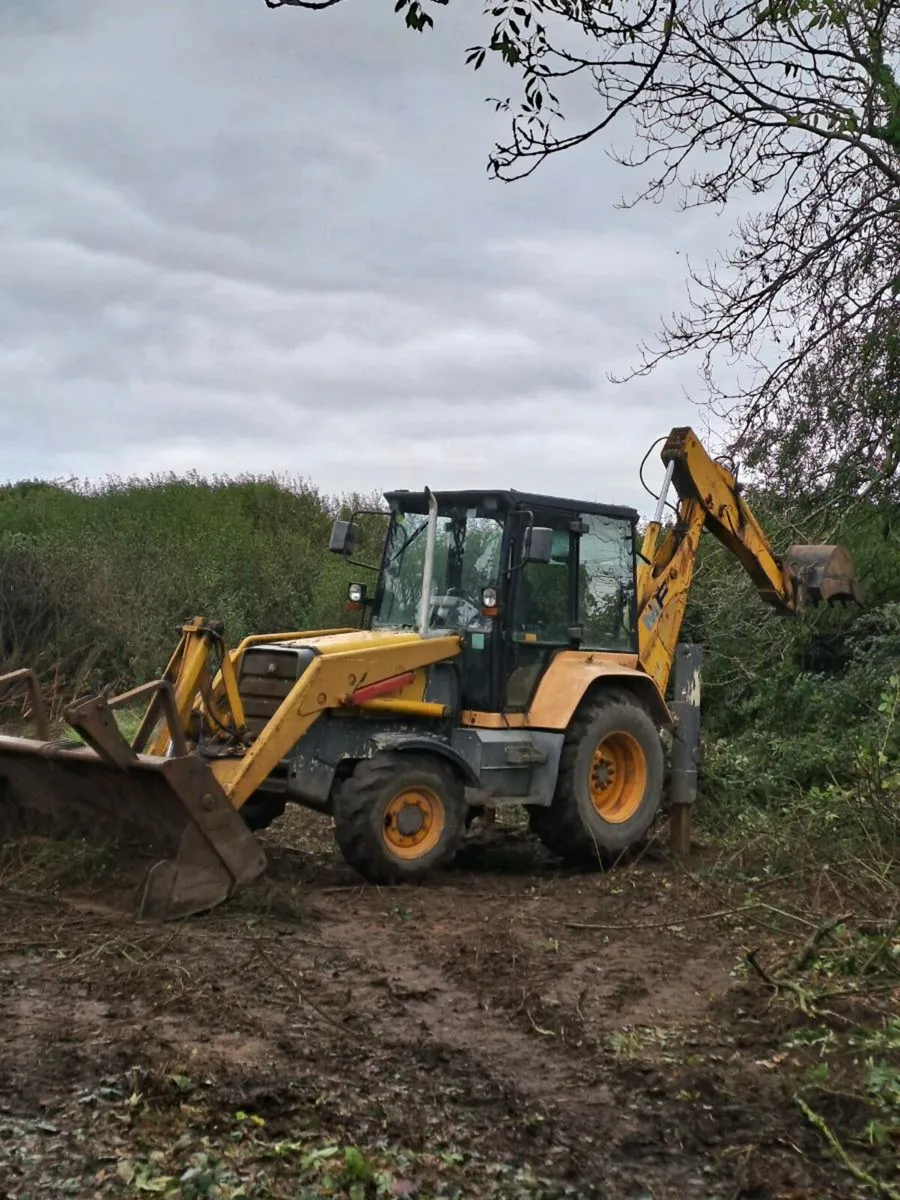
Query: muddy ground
point(510, 1029)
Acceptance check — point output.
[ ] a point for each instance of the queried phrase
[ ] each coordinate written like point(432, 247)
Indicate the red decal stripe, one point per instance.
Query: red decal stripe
point(396, 683)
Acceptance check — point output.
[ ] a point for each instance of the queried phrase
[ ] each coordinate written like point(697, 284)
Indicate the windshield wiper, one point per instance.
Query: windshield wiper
point(409, 541)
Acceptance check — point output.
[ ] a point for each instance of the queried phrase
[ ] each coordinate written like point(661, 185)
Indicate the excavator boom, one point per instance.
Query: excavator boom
point(709, 499)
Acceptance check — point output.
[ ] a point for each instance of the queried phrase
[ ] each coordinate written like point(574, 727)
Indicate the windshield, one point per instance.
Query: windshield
point(466, 560)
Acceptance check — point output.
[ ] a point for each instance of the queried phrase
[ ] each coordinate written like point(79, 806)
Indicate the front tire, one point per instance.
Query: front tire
point(398, 817)
point(610, 782)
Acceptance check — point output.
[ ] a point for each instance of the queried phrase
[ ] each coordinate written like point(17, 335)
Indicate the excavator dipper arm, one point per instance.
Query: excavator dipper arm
point(709, 499)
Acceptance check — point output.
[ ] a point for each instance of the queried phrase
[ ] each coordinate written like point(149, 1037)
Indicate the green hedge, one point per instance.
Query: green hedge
point(95, 583)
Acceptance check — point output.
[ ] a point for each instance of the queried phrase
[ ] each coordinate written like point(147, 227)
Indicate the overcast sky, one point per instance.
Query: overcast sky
point(240, 240)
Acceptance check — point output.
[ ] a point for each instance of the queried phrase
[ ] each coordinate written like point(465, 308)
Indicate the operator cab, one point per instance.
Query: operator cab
point(519, 576)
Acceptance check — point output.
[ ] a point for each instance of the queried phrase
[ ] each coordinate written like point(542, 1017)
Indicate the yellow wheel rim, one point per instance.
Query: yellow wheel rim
point(618, 777)
point(414, 822)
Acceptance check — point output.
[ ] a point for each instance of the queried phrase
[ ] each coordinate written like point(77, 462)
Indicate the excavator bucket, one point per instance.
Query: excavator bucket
point(171, 809)
point(822, 575)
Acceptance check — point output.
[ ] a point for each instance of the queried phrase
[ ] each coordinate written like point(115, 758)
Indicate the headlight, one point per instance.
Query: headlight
point(489, 602)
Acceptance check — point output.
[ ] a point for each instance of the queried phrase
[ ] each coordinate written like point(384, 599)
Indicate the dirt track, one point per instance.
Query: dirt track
point(465, 1035)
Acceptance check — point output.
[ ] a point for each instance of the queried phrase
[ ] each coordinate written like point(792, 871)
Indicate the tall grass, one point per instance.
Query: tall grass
point(95, 581)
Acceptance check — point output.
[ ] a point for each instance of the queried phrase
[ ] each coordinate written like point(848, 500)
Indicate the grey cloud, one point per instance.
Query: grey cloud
point(236, 240)
point(38, 18)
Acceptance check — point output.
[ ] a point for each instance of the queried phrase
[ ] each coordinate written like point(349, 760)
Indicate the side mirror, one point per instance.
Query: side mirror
point(343, 537)
point(540, 545)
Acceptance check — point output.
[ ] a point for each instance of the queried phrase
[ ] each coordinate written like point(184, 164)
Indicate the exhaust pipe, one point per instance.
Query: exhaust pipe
point(428, 569)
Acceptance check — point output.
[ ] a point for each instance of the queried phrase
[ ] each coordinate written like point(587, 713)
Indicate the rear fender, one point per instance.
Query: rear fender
point(573, 674)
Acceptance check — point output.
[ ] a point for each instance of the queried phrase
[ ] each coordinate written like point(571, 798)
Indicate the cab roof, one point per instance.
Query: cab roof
point(505, 500)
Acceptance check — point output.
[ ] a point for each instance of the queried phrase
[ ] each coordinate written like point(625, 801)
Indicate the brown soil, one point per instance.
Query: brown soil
point(474, 1019)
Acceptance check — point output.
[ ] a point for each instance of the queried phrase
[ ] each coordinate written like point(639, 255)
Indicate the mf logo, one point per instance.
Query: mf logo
point(655, 608)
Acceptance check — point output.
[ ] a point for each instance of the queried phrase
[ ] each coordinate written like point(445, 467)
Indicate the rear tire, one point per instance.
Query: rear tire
point(398, 817)
point(610, 782)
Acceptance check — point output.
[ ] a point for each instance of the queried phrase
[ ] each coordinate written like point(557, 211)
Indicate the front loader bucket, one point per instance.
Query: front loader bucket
point(822, 575)
point(171, 807)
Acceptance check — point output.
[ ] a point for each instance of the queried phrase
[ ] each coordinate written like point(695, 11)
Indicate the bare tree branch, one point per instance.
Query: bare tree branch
point(792, 104)
point(313, 4)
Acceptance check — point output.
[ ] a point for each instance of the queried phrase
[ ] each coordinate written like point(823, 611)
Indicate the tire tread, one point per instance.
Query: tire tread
point(559, 826)
point(354, 798)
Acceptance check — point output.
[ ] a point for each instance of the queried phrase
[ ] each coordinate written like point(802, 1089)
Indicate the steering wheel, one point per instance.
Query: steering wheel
point(459, 594)
point(454, 593)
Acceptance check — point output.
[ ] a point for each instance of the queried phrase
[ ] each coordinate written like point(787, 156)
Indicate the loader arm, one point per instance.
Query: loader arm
point(190, 768)
point(709, 499)
point(333, 680)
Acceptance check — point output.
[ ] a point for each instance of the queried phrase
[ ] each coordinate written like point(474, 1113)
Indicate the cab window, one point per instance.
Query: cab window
point(606, 584)
point(543, 607)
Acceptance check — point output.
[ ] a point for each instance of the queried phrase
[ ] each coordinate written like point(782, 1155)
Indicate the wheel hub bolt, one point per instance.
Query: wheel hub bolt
point(409, 820)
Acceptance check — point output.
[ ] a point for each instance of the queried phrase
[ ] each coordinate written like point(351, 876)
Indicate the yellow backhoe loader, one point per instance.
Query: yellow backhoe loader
point(516, 649)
